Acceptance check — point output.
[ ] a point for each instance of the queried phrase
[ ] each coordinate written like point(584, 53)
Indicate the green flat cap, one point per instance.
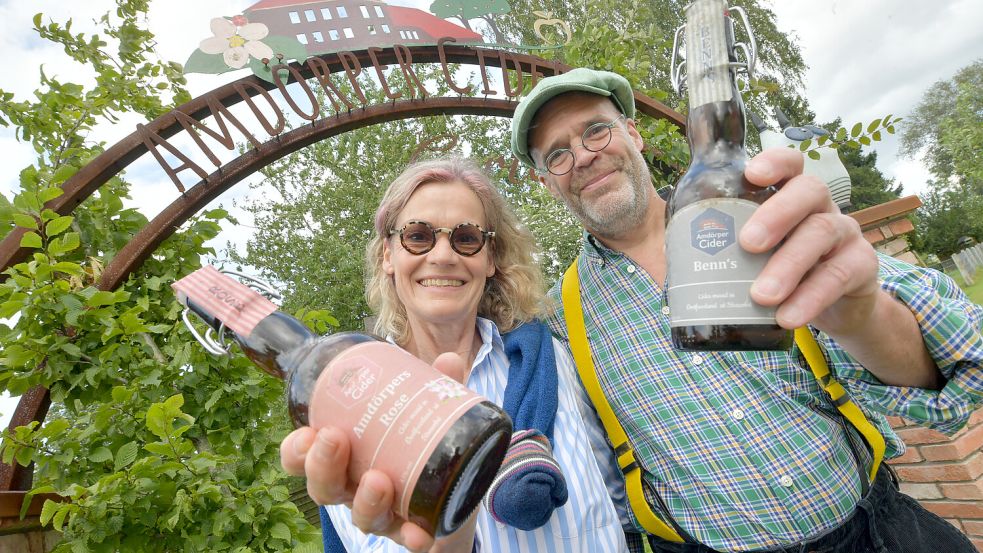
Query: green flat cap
point(603, 83)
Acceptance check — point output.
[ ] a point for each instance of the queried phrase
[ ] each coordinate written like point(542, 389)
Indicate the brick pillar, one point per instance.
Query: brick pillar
point(945, 474)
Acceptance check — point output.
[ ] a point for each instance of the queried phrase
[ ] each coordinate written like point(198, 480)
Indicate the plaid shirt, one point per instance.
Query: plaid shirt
point(744, 448)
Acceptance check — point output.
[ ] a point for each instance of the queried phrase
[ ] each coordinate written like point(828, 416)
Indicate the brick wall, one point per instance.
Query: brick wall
point(945, 474)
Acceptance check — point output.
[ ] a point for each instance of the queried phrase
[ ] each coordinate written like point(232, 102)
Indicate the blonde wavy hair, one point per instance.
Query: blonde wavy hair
point(515, 294)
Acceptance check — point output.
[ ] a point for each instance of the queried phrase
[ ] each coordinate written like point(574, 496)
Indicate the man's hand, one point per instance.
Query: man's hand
point(322, 457)
point(824, 272)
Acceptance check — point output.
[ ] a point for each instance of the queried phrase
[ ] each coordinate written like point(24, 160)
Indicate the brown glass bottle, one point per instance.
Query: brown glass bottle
point(330, 376)
point(709, 274)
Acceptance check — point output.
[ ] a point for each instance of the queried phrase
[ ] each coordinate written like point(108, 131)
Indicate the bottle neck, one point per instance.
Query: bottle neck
point(271, 344)
point(716, 120)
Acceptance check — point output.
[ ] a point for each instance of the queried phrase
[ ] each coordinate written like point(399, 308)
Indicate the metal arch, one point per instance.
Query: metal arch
point(34, 403)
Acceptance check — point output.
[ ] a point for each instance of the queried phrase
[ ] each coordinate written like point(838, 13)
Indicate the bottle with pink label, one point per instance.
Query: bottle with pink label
point(441, 443)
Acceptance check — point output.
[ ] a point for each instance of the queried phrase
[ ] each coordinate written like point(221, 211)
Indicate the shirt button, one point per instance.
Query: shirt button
point(786, 481)
point(665, 309)
point(737, 414)
point(630, 269)
point(697, 359)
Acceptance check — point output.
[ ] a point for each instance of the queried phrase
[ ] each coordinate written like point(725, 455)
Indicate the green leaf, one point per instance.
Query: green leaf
point(31, 240)
point(49, 508)
point(280, 531)
point(50, 193)
point(216, 214)
point(59, 518)
point(876, 136)
point(63, 173)
point(58, 225)
point(873, 125)
point(805, 144)
point(100, 455)
point(67, 267)
point(125, 455)
point(890, 129)
point(101, 298)
point(813, 154)
point(856, 130)
point(26, 221)
point(865, 140)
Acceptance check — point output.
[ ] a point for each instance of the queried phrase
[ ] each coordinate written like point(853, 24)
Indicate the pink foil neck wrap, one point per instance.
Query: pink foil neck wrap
point(228, 300)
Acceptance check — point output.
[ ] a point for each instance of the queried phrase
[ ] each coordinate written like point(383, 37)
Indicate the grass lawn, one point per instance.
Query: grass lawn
point(975, 290)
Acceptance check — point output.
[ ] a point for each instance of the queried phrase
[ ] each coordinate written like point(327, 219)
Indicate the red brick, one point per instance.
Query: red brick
point(874, 236)
point(901, 226)
point(973, 490)
point(894, 247)
point(922, 491)
point(973, 527)
point(943, 472)
point(957, 449)
point(977, 543)
point(955, 509)
point(910, 456)
point(909, 257)
point(918, 435)
point(897, 422)
point(957, 523)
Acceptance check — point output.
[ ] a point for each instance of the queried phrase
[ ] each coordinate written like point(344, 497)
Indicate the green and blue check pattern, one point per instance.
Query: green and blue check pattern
point(743, 447)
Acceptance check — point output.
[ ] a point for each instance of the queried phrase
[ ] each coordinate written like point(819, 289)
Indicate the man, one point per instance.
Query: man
point(742, 451)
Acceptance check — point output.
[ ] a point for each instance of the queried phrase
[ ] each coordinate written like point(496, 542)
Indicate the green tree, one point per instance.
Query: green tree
point(947, 214)
point(947, 125)
point(869, 187)
point(156, 445)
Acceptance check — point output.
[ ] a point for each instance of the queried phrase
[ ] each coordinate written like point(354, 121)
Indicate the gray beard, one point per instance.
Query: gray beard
point(618, 211)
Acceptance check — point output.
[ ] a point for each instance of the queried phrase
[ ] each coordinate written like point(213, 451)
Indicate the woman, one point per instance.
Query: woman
point(451, 270)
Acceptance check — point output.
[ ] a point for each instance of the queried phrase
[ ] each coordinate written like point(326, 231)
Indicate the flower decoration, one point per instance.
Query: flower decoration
point(445, 388)
point(236, 40)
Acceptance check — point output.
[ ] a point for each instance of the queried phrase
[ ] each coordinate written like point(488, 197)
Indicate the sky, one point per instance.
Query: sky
point(865, 58)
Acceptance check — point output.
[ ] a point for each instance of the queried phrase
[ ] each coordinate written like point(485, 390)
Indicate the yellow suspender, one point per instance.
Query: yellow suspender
point(574, 315)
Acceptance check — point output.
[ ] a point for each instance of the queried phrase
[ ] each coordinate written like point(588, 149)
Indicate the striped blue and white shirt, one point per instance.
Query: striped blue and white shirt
point(587, 523)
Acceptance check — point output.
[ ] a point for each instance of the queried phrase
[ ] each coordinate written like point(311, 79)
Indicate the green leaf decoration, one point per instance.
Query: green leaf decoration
point(873, 125)
point(856, 130)
point(286, 45)
point(813, 154)
point(200, 62)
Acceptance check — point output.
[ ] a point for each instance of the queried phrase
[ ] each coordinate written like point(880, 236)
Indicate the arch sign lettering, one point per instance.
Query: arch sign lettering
point(300, 51)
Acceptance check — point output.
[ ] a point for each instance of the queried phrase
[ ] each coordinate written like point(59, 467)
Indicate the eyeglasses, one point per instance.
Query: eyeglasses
point(419, 237)
point(595, 138)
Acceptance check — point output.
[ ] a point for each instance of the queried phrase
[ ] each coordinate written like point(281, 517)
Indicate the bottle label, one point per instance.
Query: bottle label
point(238, 306)
point(394, 407)
point(710, 275)
point(707, 66)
